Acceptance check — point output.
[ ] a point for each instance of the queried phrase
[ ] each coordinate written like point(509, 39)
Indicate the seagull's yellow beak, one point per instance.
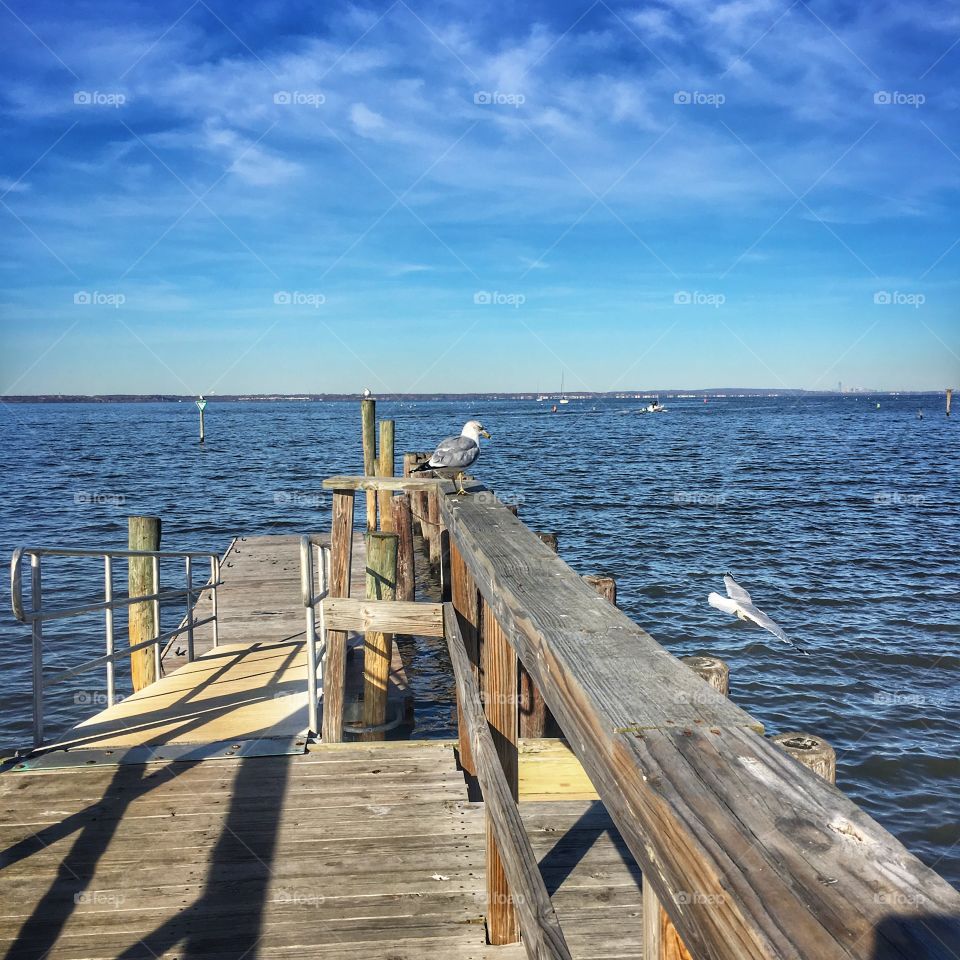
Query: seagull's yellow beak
point(485, 433)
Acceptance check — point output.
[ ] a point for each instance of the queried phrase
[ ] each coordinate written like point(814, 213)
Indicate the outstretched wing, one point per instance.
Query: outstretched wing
point(458, 452)
point(762, 620)
point(735, 591)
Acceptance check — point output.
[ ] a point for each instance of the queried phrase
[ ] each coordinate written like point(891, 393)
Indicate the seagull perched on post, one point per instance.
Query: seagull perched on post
point(738, 603)
point(455, 454)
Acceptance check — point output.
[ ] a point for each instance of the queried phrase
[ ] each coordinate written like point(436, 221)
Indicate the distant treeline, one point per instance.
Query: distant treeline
point(715, 392)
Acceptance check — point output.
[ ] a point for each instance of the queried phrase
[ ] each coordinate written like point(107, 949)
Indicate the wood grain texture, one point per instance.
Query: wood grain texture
point(406, 558)
point(368, 435)
point(335, 671)
point(143, 533)
point(466, 604)
point(378, 644)
point(752, 856)
point(386, 467)
point(525, 890)
point(498, 693)
point(418, 618)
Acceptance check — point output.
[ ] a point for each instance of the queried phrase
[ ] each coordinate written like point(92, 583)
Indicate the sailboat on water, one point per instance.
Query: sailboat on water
point(563, 396)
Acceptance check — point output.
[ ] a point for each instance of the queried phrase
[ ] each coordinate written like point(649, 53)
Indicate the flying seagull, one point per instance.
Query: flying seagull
point(455, 454)
point(738, 603)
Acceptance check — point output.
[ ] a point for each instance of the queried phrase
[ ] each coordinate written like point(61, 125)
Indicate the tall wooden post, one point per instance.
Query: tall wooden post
point(368, 425)
point(143, 533)
point(499, 675)
point(378, 647)
point(660, 938)
point(433, 527)
point(335, 670)
point(403, 527)
point(385, 468)
point(949, 399)
point(466, 602)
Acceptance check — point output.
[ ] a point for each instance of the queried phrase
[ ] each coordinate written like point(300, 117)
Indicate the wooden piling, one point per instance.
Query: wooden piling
point(403, 527)
point(386, 468)
point(378, 647)
point(949, 399)
point(552, 540)
point(711, 669)
point(605, 586)
point(813, 752)
point(335, 671)
point(498, 694)
point(143, 533)
point(368, 424)
point(432, 532)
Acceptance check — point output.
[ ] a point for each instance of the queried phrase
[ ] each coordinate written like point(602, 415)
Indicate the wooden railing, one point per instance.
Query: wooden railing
point(750, 854)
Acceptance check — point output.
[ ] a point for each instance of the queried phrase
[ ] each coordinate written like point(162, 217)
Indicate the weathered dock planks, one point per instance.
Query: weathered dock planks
point(348, 851)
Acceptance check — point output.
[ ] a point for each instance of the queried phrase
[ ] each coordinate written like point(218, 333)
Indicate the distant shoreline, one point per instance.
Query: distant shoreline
point(527, 395)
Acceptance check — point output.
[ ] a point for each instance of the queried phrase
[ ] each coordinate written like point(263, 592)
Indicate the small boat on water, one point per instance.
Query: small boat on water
point(655, 407)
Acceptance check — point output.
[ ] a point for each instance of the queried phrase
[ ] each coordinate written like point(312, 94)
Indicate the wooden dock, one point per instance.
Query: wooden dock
point(347, 851)
point(203, 818)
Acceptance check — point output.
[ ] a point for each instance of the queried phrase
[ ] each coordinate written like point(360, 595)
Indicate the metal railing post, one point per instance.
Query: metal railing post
point(215, 577)
point(323, 581)
point(37, 636)
point(108, 618)
point(156, 618)
point(306, 584)
point(189, 610)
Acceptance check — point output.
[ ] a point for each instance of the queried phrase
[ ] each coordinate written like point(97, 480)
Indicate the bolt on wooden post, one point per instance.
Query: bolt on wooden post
point(368, 426)
point(378, 647)
point(143, 533)
point(385, 468)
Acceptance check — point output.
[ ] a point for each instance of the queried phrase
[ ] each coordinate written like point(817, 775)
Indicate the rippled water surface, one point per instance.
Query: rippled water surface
point(839, 517)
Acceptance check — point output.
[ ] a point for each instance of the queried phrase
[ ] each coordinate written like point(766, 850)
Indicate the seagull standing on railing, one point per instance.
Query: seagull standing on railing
point(738, 603)
point(455, 454)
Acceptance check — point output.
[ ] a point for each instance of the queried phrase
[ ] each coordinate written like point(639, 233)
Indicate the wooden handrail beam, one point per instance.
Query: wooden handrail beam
point(386, 616)
point(752, 855)
point(542, 936)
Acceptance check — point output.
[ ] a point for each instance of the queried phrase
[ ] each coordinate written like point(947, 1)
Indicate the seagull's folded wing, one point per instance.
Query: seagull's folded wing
point(457, 452)
point(735, 591)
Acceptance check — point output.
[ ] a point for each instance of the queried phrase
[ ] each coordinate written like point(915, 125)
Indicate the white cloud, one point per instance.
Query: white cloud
point(366, 121)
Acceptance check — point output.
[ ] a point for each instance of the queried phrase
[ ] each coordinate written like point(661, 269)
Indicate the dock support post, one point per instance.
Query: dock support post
point(403, 527)
point(535, 718)
point(811, 751)
point(143, 533)
point(605, 586)
point(498, 695)
point(949, 399)
point(335, 668)
point(660, 938)
point(433, 527)
point(368, 425)
point(386, 468)
point(466, 603)
point(378, 647)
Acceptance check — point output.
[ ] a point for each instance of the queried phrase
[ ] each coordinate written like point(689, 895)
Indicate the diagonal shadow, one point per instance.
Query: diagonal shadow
point(557, 865)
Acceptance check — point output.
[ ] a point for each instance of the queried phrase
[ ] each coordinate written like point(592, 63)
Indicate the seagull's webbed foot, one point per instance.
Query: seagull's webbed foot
point(460, 491)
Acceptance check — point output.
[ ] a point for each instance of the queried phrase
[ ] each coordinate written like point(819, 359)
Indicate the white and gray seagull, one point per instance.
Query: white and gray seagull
point(739, 603)
point(455, 454)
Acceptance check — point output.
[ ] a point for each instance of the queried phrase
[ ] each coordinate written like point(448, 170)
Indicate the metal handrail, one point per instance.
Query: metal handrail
point(36, 615)
point(315, 663)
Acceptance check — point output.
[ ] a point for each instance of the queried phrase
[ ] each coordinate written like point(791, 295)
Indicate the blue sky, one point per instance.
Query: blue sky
point(223, 197)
